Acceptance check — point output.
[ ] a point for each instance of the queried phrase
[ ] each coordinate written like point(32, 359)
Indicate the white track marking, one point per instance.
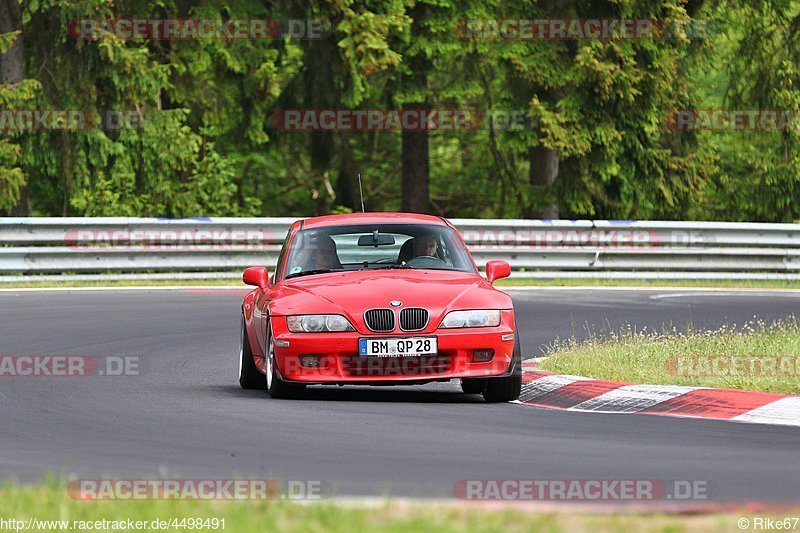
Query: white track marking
point(534, 361)
point(546, 384)
point(783, 412)
point(725, 293)
point(632, 398)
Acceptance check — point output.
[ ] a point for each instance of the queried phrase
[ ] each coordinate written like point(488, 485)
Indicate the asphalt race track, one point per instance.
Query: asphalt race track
point(185, 415)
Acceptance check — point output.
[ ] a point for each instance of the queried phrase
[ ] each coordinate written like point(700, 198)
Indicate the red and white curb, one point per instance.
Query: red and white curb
point(576, 393)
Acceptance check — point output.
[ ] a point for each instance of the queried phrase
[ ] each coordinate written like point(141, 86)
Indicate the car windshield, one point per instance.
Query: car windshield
point(382, 246)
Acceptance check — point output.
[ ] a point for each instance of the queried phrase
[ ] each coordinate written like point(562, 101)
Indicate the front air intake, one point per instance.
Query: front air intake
point(380, 320)
point(413, 319)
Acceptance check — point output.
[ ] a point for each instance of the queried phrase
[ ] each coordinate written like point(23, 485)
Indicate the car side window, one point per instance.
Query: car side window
point(281, 258)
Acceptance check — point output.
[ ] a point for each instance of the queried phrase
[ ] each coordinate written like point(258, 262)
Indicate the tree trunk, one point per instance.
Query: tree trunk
point(415, 158)
point(12, 71)
point(416, 169)
point(12, 63)
point(347, 191)
point(542, 175)
point(318, 76)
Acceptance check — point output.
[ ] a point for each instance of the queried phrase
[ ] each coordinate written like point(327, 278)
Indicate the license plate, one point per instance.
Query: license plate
point(397, 347)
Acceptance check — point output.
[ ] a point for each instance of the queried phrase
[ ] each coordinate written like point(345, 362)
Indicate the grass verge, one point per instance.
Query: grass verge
point(50, 502)
point(757, 356)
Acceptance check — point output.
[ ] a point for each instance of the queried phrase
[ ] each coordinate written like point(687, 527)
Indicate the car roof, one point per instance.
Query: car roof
point(371, 218)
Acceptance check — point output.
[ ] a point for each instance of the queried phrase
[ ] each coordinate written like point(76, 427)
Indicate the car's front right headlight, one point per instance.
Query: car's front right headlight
point(318, 323)
point(475, 318)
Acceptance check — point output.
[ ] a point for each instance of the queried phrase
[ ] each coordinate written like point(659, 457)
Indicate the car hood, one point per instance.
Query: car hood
point(352, 293)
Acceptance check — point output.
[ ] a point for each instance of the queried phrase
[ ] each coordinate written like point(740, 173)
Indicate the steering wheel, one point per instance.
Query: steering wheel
point(425, 261)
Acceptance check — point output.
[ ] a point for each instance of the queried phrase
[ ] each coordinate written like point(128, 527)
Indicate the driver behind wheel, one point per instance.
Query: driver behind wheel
point(424, 246)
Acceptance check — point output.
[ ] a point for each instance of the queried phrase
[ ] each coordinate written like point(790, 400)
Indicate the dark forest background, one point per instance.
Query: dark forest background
point(596, 143)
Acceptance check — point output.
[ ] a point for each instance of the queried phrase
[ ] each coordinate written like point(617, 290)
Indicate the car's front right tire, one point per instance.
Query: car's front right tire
point(277, 387)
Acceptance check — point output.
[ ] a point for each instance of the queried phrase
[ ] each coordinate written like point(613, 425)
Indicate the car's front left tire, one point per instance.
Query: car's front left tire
point(249, 376)
point(506, 389)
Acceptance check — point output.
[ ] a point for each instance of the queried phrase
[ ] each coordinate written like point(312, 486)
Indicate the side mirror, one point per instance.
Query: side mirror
point(257, 276)
point(497, 269)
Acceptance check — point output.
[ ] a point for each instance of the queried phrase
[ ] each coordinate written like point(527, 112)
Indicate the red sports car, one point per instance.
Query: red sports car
point(378, 299)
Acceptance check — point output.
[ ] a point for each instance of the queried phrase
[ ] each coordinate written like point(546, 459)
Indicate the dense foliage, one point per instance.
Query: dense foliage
point(197, 135)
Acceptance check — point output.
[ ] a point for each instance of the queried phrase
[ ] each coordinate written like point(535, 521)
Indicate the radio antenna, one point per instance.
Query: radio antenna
point(361, 192)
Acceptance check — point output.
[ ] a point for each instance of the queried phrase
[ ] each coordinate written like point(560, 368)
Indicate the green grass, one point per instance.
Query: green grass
point(688, 357)
point(50, 502)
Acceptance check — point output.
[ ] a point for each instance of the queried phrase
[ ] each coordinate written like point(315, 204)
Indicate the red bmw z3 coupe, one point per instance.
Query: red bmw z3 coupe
point(378, 299)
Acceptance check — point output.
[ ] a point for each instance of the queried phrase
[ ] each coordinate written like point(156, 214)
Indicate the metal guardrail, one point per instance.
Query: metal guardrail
point(108, 248)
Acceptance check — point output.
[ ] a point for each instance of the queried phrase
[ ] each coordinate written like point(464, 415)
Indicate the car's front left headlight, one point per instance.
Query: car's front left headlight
point(318, 323)
point(476, 318)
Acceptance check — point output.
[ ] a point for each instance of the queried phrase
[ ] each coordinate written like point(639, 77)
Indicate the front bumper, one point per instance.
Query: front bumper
point(339, 361)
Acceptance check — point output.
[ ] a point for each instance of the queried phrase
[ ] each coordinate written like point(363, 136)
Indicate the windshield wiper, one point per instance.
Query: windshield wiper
point(389, 267)
point(308, 272)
